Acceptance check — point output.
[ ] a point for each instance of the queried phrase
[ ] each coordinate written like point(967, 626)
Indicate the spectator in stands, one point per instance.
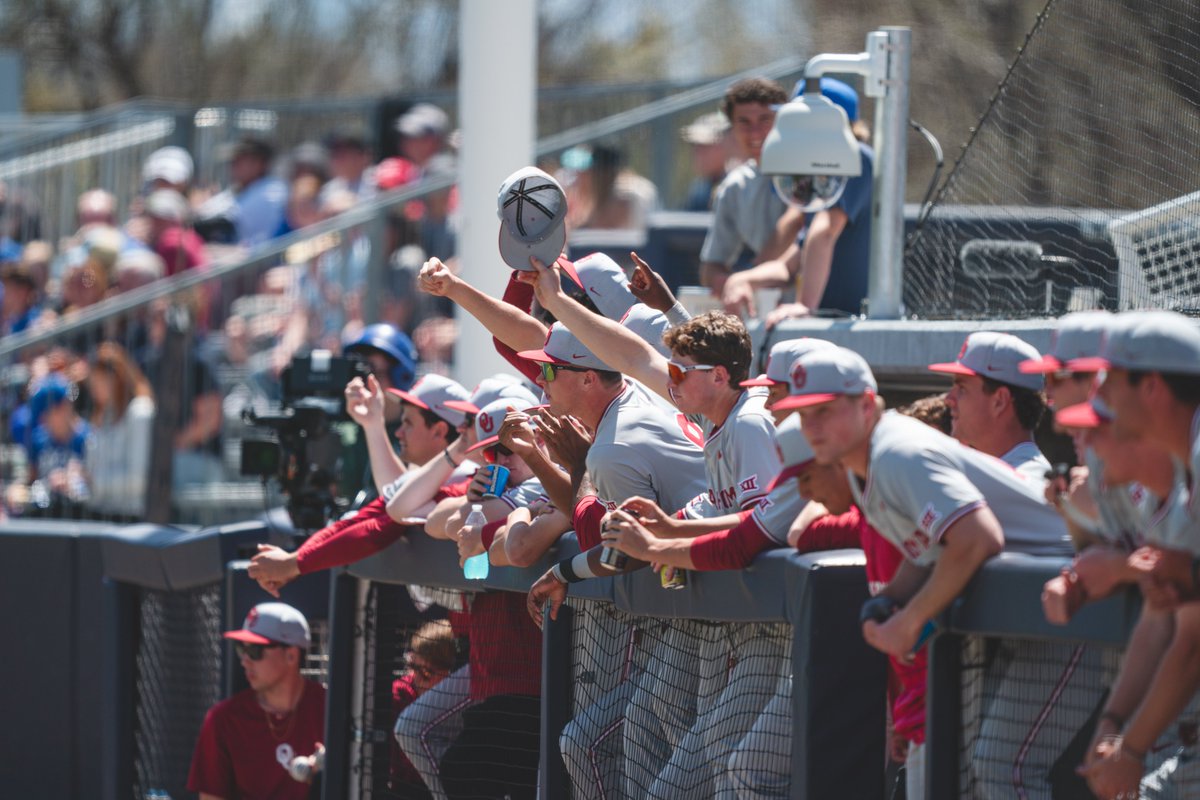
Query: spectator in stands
point(422, 130)
point(349, 165)
point(19, 307)
point(170, 236)
point(167, 168)
point(746, 207)
point(248, 742)
point(137, 268)
point(251, 210)
point(431, 656)
point(602, 193)
point(55, 447)
point(830, 267)
point(712, 149)
point(118, 447)
point(994, 405)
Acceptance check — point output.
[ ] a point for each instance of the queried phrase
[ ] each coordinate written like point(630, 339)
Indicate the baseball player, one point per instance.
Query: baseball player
point(994, 406)
point(1152, 384)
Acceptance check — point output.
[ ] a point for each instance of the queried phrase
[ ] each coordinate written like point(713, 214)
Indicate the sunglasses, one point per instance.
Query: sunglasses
point(468, 420)
point(490, 454)
point(550, 371)
point(254, 652)
point(679, 371)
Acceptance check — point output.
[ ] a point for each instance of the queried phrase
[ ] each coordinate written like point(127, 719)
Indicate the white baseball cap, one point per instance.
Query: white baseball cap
point(533, 211)
point(564, 348)
point(1078, 335)
point(273, 623)
point(171, 164)
point(793, 446)
point(1153, 341)
point(491, 417)
point(432, 393)
point(782, 356)
point(706, 129)
point(997, 356)
point(492, 388)
point(824, 374)
point(650, 325)
point(605, 282)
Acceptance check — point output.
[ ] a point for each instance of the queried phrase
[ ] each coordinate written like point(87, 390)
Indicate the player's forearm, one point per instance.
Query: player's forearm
point(816, 262)
point(1150, 639)
point(420, 487)
point(527, 540)
point(787, 228)
point(510, 325)
point(386, 466)
point(1173, 686)
point(964, 553)
point(555, 482)
point(672, 552)
point(615, 345)
point(767, 274)
point(691, 528)
point(713, 275)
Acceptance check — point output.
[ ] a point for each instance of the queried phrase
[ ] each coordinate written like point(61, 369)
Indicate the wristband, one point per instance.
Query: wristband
point(677, 314)
point(557, 573)
point(573, 570)
point(449, 458)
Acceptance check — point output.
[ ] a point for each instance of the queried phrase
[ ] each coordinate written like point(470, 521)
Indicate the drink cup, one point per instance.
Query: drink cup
point(497, 481)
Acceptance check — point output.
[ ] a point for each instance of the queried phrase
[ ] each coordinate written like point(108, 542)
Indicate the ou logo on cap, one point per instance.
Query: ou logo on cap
point(251, 618)
point(486, 423)
point(963, 350)
point(799, 376)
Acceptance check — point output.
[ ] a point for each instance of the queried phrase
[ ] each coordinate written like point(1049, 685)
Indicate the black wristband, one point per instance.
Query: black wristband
point(1114, 718)
point(567, 571)
point(448, 457)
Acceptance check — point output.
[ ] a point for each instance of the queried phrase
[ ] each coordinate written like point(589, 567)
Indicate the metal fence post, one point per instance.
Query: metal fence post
point(943, 716)
point(556, 702)
point(338, 714)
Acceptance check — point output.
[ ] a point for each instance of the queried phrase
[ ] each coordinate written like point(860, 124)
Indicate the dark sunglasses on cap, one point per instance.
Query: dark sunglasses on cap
point(550, 371)
point(679, 371)
point(254, 652)
point(490, 453)
point(468, 419)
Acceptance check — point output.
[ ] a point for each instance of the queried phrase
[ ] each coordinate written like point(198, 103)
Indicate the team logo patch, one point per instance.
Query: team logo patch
point(251, 618)
point(929, 518)
point(963, 350)
point(799, 376)
point(284, 754)
point(750, 484)
point(486, 423)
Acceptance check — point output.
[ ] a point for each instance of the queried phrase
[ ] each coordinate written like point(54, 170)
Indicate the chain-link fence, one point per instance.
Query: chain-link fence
point(1076, 189)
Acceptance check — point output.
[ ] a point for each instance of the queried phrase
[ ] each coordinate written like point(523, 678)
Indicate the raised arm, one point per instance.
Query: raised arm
point(424, 481)
point(620, 348)
point(365, 404)
point(510, 325)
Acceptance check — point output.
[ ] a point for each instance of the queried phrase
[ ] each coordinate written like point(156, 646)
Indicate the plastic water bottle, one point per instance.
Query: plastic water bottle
point(476, 567)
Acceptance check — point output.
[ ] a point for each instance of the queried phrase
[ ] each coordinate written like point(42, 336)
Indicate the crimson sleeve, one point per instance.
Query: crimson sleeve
point(588, 514)
point(212, 766)
point(732, 548)
point(349, 540)
point(488, 534)
point(833, 532)
point(452, 490)
point(519, 295)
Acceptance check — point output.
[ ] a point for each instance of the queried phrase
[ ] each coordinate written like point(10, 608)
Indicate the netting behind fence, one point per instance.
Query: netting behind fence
point(677, 708)
point(1076, 190)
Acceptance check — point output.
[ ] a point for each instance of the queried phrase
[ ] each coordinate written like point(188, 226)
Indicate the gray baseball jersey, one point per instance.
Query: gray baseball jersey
point(1028, 460)
point(776, 512)
point(524, 494)
point(745, 210)
point(1124, 510)
point(741, 458)
point(1194, 488)
point(920, 482)
point(1173, 524)
point(640, 449)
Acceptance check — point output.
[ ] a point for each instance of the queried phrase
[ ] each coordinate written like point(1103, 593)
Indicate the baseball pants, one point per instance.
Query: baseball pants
point(426, 729)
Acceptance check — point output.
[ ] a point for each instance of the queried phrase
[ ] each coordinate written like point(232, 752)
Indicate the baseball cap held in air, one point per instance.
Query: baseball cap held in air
point(533, 211)
point(824, 374)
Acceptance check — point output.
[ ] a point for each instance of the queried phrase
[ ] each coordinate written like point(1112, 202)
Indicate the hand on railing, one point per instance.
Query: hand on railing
point(547, 589)
point(273, 568)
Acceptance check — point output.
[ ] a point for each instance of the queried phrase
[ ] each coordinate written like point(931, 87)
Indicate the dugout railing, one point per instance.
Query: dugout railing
point(1013, 700)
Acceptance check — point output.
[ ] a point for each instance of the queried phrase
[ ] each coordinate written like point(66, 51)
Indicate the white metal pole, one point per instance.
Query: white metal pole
point(884, 298)
point(497, 98)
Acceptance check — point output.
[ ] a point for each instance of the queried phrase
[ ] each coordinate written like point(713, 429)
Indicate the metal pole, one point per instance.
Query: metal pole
point(884, 300)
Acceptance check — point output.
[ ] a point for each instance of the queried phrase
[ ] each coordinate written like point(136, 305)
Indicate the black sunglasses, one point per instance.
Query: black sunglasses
point(254, 652)
point(490, 453)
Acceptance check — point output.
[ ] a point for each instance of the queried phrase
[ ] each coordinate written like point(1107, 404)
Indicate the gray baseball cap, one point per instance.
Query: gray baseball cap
point(490, 389)
point(605, 282)
point(649, 324)
point(533, 213)
point(432, 393)
point(273, 623)
point(1077, 335)
point(824, 374)
point(563, 347)
point(783, 355)
point(1153, 341)
point(997, 356)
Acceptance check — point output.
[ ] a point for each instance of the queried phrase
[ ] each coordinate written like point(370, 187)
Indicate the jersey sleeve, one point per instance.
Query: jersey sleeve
point(519, 295)
point(349, 540)
point(524, 494)
point(212, 765)
point(922, 485)
point(722, 245)
point(733, 548)
point(589, 513)
point(775, 513)
point(832, 532)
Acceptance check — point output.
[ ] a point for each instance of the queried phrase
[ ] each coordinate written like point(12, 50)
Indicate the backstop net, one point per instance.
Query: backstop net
point(1078, 187)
